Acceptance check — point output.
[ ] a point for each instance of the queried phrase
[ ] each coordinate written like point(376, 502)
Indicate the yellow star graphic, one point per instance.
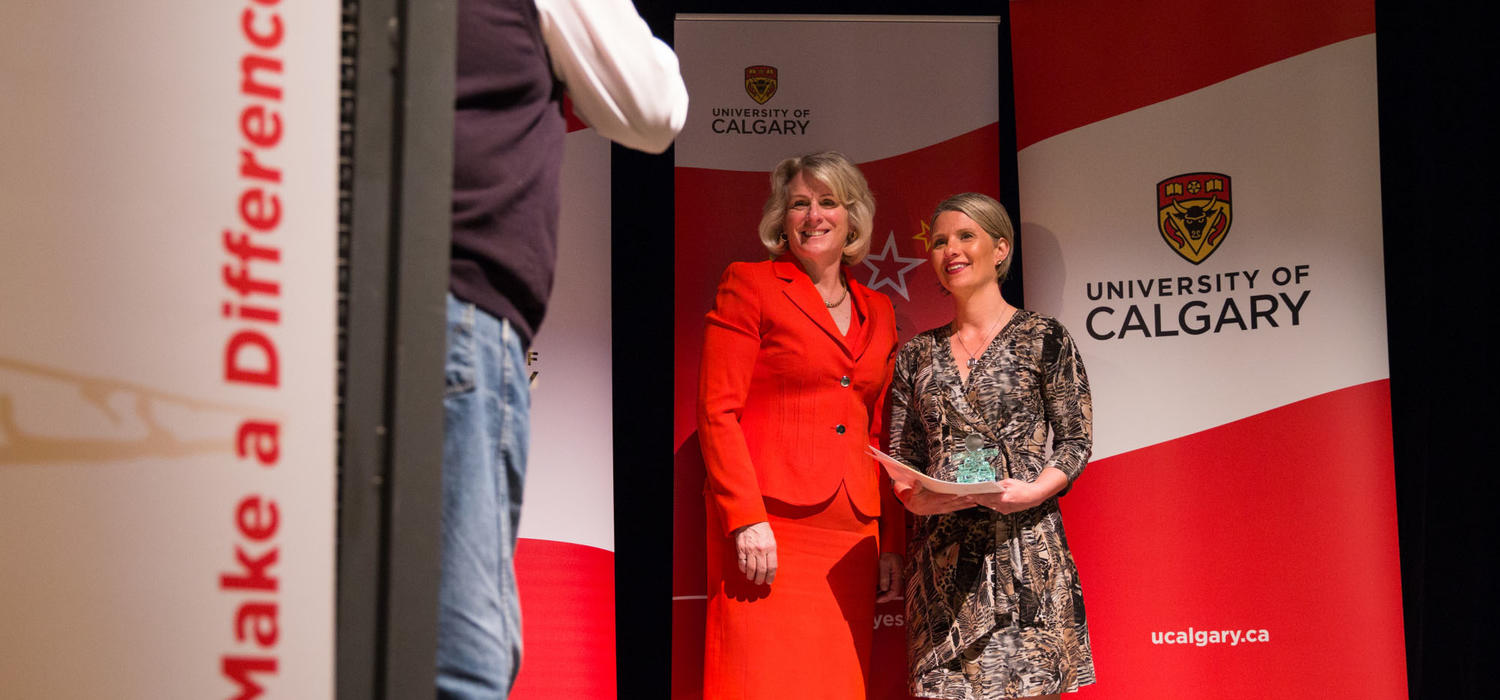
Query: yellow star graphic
point(926, 244)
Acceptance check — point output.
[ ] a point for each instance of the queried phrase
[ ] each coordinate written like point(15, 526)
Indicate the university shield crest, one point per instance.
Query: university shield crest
point(760, 83)
point(1193, 213)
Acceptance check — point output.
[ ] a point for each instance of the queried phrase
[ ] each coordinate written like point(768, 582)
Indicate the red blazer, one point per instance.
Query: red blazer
point(787, 404)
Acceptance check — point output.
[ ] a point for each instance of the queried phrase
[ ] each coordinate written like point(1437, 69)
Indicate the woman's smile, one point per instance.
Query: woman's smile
point(813, 213)
point(957, 244)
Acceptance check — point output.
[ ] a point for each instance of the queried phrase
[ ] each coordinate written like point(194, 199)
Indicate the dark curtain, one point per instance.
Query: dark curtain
point(1437, 68)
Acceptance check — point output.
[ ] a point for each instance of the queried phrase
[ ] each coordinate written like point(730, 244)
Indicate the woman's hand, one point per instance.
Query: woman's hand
point(757, 552)
point(889, 582)
point(927, 502)
point(1016, 495)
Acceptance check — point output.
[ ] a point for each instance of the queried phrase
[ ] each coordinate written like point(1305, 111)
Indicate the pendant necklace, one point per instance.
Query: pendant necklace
point(831, 304)
point(972, 359)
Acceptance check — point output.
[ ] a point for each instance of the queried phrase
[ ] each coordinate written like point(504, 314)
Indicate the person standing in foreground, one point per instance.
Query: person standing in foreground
point(515, 60)
point(796, 361)
point(994, 608)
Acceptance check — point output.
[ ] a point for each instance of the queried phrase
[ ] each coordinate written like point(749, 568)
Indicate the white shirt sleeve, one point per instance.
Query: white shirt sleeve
point(624, 82)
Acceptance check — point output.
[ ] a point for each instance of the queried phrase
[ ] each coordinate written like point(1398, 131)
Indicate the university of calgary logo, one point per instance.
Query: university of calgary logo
point(760, 83)
point(1193, 213)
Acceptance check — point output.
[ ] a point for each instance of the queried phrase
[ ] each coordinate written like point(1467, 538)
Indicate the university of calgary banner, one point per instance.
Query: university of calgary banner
point(1201, 208)
point(915, 104)
point(565, 562)
point(168, 244)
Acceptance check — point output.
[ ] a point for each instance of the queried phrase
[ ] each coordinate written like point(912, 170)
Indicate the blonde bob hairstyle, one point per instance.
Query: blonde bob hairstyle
point(990, 215)
point(848, 184)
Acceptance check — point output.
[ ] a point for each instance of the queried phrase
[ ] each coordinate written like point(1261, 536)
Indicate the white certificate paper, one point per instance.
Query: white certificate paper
point(903, 474)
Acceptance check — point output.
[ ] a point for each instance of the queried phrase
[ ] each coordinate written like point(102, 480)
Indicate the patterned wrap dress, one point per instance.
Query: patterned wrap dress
point(994, 607)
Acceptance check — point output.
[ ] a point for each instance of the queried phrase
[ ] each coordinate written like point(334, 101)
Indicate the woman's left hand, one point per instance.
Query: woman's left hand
point(1014, 496)
point(889, 583)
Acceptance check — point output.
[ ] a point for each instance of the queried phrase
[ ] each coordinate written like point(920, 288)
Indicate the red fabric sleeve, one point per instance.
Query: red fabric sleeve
point(731, 342)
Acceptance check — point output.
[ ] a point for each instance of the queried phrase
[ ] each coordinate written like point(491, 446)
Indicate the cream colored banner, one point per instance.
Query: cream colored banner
point(872, 87)
point(167, 270)
point(565, 560)
point(1288, 303)
point(570, 470)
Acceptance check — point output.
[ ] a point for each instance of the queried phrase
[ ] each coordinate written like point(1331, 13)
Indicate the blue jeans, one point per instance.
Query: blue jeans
point(487, 419)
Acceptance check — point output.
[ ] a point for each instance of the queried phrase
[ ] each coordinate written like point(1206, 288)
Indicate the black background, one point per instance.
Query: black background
point(1436, 75)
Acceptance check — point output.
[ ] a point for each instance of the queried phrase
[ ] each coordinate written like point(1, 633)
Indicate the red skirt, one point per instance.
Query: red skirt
point(807, 635)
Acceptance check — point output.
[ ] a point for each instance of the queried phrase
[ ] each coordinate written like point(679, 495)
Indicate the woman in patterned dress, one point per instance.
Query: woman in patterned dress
point(797, 358)
point(994, 607)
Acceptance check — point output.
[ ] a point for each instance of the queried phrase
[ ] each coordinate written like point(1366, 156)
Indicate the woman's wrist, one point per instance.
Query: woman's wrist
point(1050, 482)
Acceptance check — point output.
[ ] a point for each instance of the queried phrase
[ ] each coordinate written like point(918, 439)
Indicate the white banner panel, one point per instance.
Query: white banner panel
point(167, 265)
point(565, 563)
point(1305, 250)
point(905, 67)
point(570, 474)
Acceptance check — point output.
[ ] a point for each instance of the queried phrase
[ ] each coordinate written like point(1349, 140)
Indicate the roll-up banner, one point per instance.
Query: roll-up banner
point(1200, 193)
point(168, 223)
point(921, 123)
point(565, 561)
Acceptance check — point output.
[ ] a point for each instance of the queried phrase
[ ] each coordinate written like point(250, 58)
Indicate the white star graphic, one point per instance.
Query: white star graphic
point(890, 258)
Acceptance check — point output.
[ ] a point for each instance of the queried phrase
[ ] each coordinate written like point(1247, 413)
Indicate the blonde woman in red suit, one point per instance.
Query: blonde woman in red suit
point(797, 357)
